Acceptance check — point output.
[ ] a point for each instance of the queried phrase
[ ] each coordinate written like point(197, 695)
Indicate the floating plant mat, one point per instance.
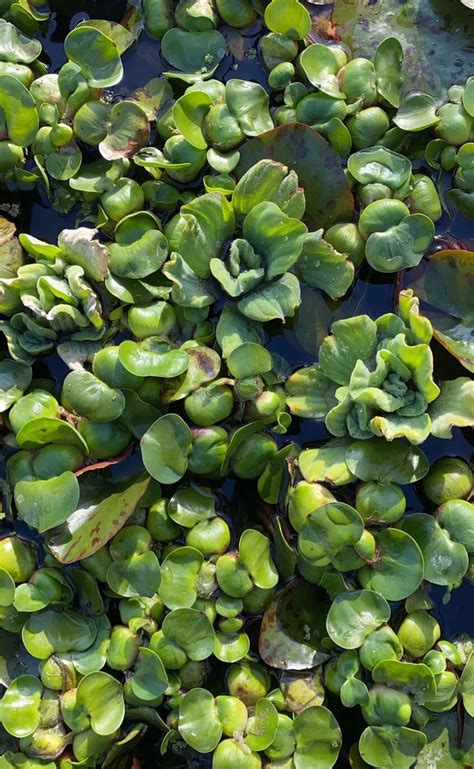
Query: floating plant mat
point(235, 386)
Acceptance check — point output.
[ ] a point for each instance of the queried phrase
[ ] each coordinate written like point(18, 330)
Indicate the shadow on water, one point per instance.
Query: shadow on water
point(298, 341)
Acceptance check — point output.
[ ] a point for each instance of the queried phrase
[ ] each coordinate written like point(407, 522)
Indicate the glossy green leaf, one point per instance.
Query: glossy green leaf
point(453, 408)
point(288, 18)
point(417, 112)
point(48, 632)
point(318, 738)
point(20, 713)
point(46, 504)
point(166, 447)
point(101, 697)
point(96, 55)
point(378, 165)
point(388, 60)
point(19, 109)
point(399, 568)
point(17, 47)
point(189, 112)
point(353, 616)
point(321, 65)
point(182, 567)
point(199, 724)
point(196, 54)
point(249, 103)
point(397, 745)
point(395, 462)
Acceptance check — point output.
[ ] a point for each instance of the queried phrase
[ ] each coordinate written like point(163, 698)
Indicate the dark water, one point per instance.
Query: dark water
point(298, 341)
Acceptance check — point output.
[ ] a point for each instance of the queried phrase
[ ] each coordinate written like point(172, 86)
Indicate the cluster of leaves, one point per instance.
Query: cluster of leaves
point(211, 203)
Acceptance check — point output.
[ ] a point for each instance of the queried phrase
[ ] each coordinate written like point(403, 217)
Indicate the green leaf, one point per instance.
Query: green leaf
point(453, 408)
point(19, 110)
point(288, 17)
point(192, 630)
point(332, 527)
point(43, 430)
point(48, 632)
point(320, 65)
point(166, 447)
point(322, 266)
point(200, 230)
point(351, 340)
point(189, 112)
point(396, 746)
point(268, 181)
point(199, 723)
point(196, 54)
point(96, 55)
point(249, 359)
point(182, 567)
point(318, 739)
point(274, 236)
point(262, 725)
point(379, 165)
point(395, 462)
point(136, 576)
point(101, 697)
point(249, 103)
point(46, 504)
point(234, 329)
point(277, 300)
point(417, 112)
point(402, 246)
point(152, 357)
point(21, 703)
point(140, 258)
point(88, 396)
point(121, 36)
point(149, 680)
point(254, 550)
point(414, 678)
point(445, 561)
point(399, 568)
point(388, 70)
point(188, 289)
point(310, 393)
point(95, 521)
point(354, 616)
point(128, 131)
point(467, 685)
point(327, 464)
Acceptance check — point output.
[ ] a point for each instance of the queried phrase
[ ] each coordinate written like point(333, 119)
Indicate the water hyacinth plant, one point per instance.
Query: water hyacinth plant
point(235, 287)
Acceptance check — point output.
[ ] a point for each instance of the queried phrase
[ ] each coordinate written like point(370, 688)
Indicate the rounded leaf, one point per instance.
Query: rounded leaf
point(20, 706)
point(166, 447)
point(353, 616)
point(96, 55)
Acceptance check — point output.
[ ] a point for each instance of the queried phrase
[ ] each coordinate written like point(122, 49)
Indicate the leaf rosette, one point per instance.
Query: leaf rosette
point(374, 377)
point(242, 251)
